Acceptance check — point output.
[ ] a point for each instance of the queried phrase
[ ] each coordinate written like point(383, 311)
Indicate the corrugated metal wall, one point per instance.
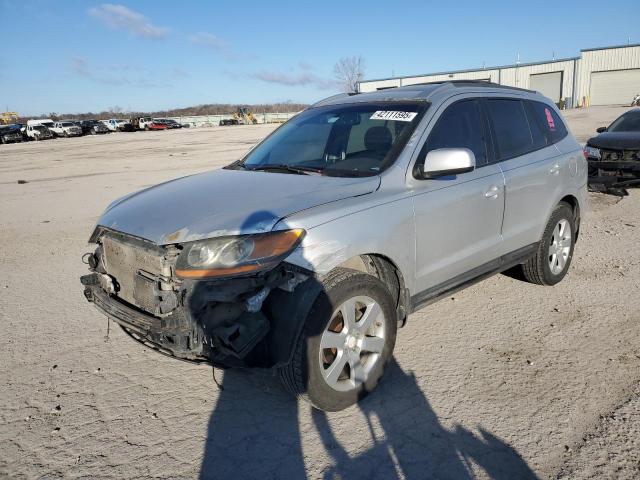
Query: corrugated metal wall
point(521, 76)
point(491, 75)
point(576, 72)
point(601, 61)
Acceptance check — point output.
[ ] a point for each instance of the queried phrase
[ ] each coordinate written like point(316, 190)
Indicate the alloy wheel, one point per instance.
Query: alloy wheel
point(352, 343)
point(560, 247)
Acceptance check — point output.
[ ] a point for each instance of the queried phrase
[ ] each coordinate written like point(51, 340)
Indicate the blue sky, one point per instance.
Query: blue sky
point(76, 56)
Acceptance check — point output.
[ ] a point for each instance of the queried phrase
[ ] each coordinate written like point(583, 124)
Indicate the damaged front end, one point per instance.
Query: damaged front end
point(612, 170)
point(216, 301)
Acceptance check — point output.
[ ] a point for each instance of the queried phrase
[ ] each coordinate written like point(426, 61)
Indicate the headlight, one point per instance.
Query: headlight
point(219, 257)
point(592, 152)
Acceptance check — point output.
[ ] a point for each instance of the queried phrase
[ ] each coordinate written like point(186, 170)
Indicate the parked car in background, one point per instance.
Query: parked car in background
point(10, 133)
point(111, 124)
point(614, 154)
point(156, 125)
point(38, 132)
point(66, 128)
point(125, 126)
point(141, 123)
point(116, 125)
point(47, 122)
point(93, 127)
point(170, 123)
point(307, 254)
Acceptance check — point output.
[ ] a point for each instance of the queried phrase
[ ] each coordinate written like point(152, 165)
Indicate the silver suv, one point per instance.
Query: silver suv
point(307, 254)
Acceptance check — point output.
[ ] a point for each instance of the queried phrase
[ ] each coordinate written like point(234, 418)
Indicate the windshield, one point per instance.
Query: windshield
point(68, 124)
point(47, 124)
point(629, 122)
point(360, 139)
point(40, 128)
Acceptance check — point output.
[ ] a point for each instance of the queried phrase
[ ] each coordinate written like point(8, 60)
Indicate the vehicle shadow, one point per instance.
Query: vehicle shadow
point(254, 432)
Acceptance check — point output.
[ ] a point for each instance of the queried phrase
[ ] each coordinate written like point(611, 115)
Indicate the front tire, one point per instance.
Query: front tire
point(347, 339)
point(551, 261)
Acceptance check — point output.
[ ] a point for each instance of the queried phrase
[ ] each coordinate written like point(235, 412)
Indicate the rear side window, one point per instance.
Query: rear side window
point(550, 122)
point(460, 126)
point(511, 128)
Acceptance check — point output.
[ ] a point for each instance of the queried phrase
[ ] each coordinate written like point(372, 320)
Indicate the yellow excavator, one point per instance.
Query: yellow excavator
point(7, 118)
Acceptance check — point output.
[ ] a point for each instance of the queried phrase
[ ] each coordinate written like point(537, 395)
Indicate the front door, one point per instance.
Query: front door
point(458, 218)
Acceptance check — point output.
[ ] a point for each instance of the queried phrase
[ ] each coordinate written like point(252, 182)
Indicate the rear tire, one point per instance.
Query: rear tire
point(333, 378)
point(551, 261)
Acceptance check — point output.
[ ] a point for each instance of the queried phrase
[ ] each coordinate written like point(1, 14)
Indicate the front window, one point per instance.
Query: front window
point(629, 122)
point(359, 139)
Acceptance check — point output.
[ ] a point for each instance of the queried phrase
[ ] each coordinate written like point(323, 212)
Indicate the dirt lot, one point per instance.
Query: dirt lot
point(503, 380)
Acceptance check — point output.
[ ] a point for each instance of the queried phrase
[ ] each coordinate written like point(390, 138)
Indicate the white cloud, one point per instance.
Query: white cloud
point(294, 79)
point(120, 17)
point(209, 40)
point(218, 45)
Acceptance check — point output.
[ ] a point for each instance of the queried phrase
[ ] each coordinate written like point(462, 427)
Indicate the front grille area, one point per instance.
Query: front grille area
point(135, 270)
point(619, 155)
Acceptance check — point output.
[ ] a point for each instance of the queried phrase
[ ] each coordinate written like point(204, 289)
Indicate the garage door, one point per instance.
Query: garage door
point(548, 84)
point(614, 88)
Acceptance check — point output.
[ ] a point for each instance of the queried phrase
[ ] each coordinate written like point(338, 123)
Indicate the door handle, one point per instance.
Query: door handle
point(555, 170)
point(492, 192)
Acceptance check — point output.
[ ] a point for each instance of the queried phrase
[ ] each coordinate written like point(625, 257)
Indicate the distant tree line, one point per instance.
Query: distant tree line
point(209, 109)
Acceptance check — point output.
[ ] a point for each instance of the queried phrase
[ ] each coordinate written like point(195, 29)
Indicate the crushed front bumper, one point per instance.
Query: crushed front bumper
point(198, 330)
point(613, 176)
point(226, 322)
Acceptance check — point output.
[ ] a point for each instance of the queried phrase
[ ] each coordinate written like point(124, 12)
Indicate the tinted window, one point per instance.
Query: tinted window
point(511, 128)
point(549, 121)
point(629, 122)
point(460, 126)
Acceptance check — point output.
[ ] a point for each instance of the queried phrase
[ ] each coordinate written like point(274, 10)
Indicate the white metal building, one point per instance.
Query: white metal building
point(599, 76)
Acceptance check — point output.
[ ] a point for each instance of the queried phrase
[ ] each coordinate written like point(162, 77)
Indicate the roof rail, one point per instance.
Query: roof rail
point(475, 83)
point(334, 97)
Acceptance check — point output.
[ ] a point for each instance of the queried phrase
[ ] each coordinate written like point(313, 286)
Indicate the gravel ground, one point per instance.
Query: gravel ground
point(503, 380)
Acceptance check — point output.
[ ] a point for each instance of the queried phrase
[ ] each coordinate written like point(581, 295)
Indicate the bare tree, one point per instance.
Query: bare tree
point(115, 110)
point(348, 72)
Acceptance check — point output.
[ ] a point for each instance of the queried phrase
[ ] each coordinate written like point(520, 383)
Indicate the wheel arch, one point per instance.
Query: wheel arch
point(387, 271)
point(287, 310)
point(573, 202)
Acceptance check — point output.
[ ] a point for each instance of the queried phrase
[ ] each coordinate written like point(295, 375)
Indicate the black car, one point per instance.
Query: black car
point(10, 133)
point(92, 127)
point(170, 123)
point(614, 154)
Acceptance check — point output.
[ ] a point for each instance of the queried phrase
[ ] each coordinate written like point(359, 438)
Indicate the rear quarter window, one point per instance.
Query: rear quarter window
point(552, 125)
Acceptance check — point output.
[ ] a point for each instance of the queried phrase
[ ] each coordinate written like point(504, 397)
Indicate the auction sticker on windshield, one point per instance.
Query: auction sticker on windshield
point(393, 115)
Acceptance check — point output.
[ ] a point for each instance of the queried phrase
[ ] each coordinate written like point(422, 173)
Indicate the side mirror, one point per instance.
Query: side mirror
point(601, 129)
point(447, 161)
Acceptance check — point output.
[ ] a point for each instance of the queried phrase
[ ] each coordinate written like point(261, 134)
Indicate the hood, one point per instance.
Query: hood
point(225, 202)
point(616, 141)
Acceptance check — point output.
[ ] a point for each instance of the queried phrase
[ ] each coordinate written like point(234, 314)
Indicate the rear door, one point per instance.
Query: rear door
point(533, 169)
point(458, 217)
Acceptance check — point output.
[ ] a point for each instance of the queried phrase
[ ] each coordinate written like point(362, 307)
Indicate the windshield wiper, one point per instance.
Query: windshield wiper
point(299, 170)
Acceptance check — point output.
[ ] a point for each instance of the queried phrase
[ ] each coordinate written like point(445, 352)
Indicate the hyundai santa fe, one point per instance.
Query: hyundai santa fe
point(306, 255)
